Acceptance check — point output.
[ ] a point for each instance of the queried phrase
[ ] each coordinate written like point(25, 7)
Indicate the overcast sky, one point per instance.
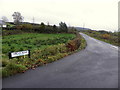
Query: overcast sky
point(94, 14)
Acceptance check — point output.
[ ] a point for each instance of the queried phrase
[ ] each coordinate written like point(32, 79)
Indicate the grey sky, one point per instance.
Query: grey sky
point(95, 14)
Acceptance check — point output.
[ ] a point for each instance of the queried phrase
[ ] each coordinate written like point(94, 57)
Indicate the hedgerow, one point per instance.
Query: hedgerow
point(109, 37)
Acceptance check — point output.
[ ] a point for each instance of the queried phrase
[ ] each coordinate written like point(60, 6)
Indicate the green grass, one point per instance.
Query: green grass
point(112, 39)
point(14, 43)
point(45, 48)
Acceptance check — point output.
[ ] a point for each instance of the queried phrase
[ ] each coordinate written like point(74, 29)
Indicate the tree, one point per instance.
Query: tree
point(63, 27)
point(55, 29)
point(5, 19)
point(42, 24)
point(17, 17)
point(42, 27)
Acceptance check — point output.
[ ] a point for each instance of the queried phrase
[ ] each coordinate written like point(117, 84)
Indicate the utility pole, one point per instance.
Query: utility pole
point(83, 26)
point(33, 20)
point(33, 23)
point(48, 23)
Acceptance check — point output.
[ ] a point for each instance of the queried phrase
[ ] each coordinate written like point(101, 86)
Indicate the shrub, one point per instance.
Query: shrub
point(62, 48)
point(48, 51)
point(5, 72)
point(17, 67)
point(52, 50)
point(105, 36)
point(63, 27)
point(13, 68)
point(11, 32)
point(4, 62)
point(73, 44)
point(83, 43)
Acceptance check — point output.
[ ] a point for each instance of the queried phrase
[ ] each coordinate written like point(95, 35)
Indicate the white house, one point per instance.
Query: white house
point(2, 23)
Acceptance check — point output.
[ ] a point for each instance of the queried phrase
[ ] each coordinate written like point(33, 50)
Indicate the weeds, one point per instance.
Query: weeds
point(55, 47)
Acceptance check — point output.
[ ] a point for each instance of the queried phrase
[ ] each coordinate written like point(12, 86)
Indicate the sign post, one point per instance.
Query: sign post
point(21, 53)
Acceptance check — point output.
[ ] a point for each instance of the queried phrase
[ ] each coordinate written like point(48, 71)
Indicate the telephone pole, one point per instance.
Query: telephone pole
point(48, 23)
point(33, 20)
point(83, 26)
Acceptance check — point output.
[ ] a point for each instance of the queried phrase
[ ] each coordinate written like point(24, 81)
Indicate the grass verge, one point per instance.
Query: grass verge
point(42, 56)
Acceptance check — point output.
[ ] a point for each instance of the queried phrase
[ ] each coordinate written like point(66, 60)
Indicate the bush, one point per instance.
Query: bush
point(26, 27)
point(62, 48)
point(11, 32)
point(4, 63)
point(13, 68)
point(52, 50)
point(16, 67)
point(105, 36)
point(5, 72)
point(74, 44)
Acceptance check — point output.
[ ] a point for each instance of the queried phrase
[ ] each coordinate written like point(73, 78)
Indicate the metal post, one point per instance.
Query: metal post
point(29, 54)
point(10, 57)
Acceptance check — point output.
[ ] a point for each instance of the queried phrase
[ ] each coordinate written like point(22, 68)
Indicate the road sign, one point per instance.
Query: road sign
point(21, 53)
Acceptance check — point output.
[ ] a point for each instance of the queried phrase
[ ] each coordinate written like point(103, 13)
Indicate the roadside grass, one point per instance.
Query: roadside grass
point(45, 48)
point(107, 37)
point(32, 41)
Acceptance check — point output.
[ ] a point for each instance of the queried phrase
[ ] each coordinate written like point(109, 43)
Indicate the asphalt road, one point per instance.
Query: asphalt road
point(94, 67)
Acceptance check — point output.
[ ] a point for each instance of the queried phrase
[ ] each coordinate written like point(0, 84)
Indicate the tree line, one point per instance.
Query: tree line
point(31, 27)
point(42, 28)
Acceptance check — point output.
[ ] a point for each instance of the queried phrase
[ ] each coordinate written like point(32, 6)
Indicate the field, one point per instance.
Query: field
point(45, 48)
point(32, 41)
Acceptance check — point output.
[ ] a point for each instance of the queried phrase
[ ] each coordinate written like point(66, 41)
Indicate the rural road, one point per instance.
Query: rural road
point(94, 67)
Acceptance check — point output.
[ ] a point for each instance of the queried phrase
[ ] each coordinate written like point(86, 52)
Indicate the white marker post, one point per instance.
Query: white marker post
point(21, 53)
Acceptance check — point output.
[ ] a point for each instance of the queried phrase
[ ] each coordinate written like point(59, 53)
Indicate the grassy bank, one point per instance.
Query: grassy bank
point(32, 41)
point(45, 48)
point(105, 36)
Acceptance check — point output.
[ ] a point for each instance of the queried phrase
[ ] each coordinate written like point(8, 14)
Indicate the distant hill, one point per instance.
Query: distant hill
point(81, 28)
point(24, 23)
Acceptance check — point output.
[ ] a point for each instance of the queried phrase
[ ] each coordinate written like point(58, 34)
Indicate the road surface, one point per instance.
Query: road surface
point(94, 67)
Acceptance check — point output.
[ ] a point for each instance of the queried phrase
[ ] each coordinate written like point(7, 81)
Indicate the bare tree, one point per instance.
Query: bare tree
point(4, 19)
point(17, 17)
